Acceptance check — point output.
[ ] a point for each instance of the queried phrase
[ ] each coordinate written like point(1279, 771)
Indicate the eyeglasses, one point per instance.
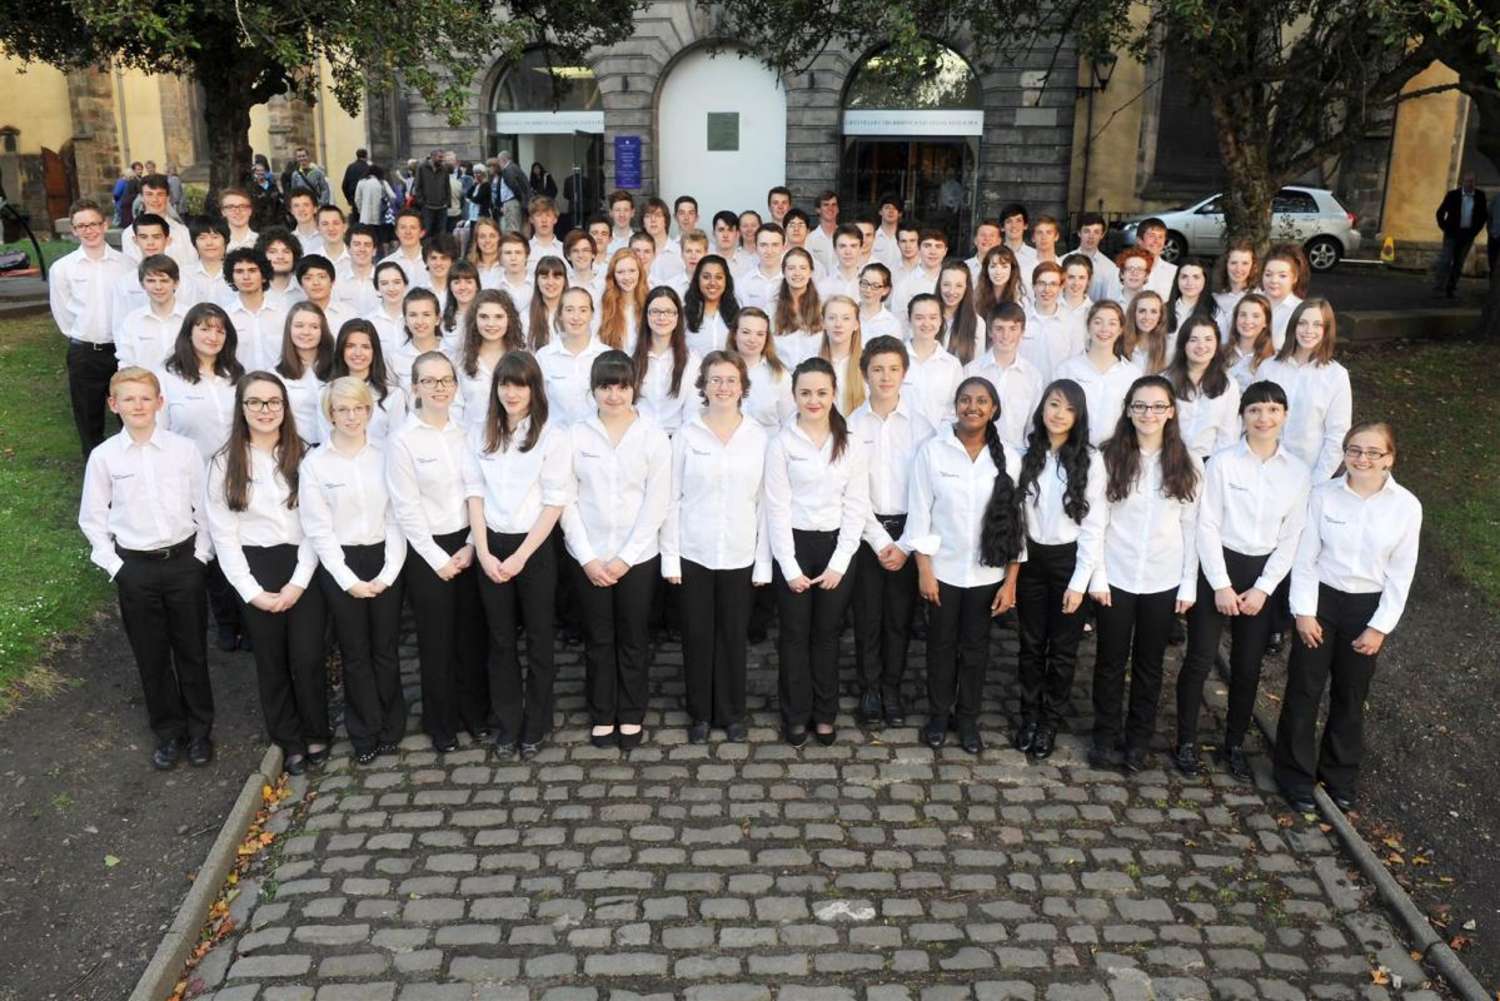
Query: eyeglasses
point(446, 382)
point(661, 314)
point(1156, 409)
point(351, 411)
point(236, 206)
point(271, 406)
point(1373, 454)
point(1134, 269)
point(88, 225)
point(723, 380)
point(871, 286)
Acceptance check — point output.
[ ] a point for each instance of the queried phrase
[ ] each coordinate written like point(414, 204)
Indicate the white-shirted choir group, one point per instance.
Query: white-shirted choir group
point(601, 434)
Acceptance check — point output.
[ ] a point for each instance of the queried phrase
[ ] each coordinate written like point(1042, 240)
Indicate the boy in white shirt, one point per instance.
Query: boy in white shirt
point(145, 336)
point(932, 250)
point(1044, 233)
point(1105, 282)
point(332, 225)
point(283, 250)
point(355, 284)
point(756, 286)
point(685, 211)
point(205, 283)
point(408, 252)
point(1013, 223)
point(142, 515)
point(303, 206)
point(908, 254)
point(621, 213)
point(694, 243)
point(844, 279)
point(236, 208)
point(886, 250)
point(866, 229)
point(149, 237)
point(1152, 235)
point(1049, 339)
point(78, 289)
point(317, 276)
point(514, 278)
point(668, 255)
point(795, 226)
point(820, 242)
point(986, 236)
point(544, 239)
point(1016, 379)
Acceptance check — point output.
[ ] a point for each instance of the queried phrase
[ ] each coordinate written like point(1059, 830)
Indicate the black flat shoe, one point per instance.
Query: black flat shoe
point(227, 638)
point(796, 735)
point(698, 732)
point(1342, 801)
point(1238, 764)
point(200, 752)
point(630, 741)
point(529, 751)
point(445, 745)
point(895, 716)
point(365, 757)
point(969, 740)
point(388, 748)
point(318, 758)
point(1025, 737)
point(935, 733)
point(736, 733)
point(296, 764)
point(164, 758)
point(870, 715)
point(1301, 802)
point(1136, 760)
point(603, 741)
point(1045, 742)
point(1186, 759)
point(826, 739)
point(1275, 643)
point(1103, 757)
point(484, 735)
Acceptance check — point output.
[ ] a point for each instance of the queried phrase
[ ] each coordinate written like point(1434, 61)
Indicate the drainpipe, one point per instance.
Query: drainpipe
point(124, 118)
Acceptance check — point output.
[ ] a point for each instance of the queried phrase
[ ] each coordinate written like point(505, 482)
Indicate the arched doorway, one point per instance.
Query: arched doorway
point(552, 114)
point(919, 141)
point(721, 132)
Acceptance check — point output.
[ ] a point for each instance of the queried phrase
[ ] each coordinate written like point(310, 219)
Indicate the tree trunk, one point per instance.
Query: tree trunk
point(1249, 187)
point(229, 95)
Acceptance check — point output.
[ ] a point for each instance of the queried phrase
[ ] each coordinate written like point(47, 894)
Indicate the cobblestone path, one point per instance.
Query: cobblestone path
point(873, 870)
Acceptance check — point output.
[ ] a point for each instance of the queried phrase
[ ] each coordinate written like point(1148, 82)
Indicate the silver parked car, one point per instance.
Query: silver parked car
point(1312, 217)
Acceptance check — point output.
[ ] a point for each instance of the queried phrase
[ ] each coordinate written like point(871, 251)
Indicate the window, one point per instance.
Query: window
point(949, 83)
point(537, 82)
point(1289, 200)
point(8, 136)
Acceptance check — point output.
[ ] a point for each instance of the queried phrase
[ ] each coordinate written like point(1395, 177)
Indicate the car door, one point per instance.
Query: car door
point(1294, 216)
point(1206, 238)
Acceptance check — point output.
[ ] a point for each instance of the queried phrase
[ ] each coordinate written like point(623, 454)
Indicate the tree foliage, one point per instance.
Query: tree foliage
point(245, 52)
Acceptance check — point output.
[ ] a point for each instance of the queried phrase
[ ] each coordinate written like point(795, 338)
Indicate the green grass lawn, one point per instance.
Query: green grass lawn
point(51, 249)
point(47, 585)
point(1442, 400)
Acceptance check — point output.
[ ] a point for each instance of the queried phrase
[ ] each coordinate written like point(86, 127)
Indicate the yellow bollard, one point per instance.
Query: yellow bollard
point(1388, 250)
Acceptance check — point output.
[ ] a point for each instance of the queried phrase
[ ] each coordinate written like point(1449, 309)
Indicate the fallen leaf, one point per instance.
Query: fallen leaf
point(110, 861)
point(1394, 858)
point(1470, 924)
point(1380, 975)
point(1458, 943)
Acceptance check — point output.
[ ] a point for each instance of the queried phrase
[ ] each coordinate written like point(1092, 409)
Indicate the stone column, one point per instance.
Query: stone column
point(96, 137)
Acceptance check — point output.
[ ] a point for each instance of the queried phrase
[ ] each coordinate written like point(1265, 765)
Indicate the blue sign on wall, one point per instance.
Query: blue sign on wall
point(627, 162)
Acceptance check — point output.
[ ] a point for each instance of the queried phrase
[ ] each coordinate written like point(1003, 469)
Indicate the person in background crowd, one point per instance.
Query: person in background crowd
point(1461, 216)
point(125, 192)
point(358, 170)
point(302, 174)
point(513, 192)
point(270, 210)
point(541, 182)
point(432, 193)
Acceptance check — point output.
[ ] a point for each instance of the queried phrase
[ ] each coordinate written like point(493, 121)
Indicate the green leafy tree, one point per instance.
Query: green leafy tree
point(1291, 84)
point(245, 52)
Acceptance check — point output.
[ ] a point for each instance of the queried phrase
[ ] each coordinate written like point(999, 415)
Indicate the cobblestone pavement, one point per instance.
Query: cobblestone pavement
point(873, 870)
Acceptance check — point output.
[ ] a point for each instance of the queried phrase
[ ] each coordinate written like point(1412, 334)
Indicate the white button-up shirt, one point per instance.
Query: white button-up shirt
point(473, 391)
point(424, 476)
point(404, 354)
point(199, 411)
point(1281, 315)
point(145, 339)
point(906, 288)
point(1151, 540)
point(142, 495)
point(655, 398)
point(1048, 523)
point(1105, 391)
point(1163, 275)
point(820, 244)
point(343, 501)
point(890, 443)
point(266, 521)
point(204, 283)
point(932, 382)
point(882, 324)
point(1048, 341)
point(1358, 545)
point(1320, 407)
point(179, 245)
point(1020, 387)
point(569, 399)
point(1253, 507)
point(259, 331)
point(515, 485)
point(305, 397)
point(808, 490)
point(1209, 423)
point(756, 289)
point(1105, 283)
point(947, 499)
point(769, 402)
point(712, 334)
point(80, 290)
point(714, 512)
point(794, 347)
point(622, 492)
point(415, 268)
point(835, 283)
point(356, 292)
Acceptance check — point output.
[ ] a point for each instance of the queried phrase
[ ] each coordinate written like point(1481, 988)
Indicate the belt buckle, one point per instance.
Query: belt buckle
point(161, 554)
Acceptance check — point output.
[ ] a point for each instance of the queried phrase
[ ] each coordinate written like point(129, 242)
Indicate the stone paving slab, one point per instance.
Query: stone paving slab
point(873, 870)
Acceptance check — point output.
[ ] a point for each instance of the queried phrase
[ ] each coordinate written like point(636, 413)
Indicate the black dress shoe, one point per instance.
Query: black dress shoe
point(969, 739)
point(698, 732)
point(870, 714)
point(227, 638)
point(1176, 631)
point(1343, 801)
point(529, 751)
point(736, 733)
point(1235, 759)
point(630, 741)
point(1186, 759)
point(826, 739)
point(296, 764)
point(484, 735)
point(1274, 643)
point(200, 751)
point(895, 716)
point(1025, 737)
point(604, 741)
point(366, 756)
point(935, 733)
point(796, 735)
point(1103, 757)
point(1045, 742)
point(164, 758)
point(1301, 802)
point(318, 758)
point(1136, 760)
point(445, 745)
point(387, 748)
point(502, 745)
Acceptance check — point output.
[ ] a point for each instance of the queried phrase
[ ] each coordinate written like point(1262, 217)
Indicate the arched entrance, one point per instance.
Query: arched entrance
point(919, 141)
point(552, 114)
point(721, 132)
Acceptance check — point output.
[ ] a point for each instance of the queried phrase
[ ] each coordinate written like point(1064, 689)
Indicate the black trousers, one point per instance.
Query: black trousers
point(1248, 635)
point(521, 709)
point(450, 644)
point(808, 644)
point(90, 367)
point(1300, 761)
point(883, 606)
point(222, 599)
point(290, 661)
point(369, 635)
point(958, 651)
point(715, 607)
point(1049, 639)
point(165, 614)
point(616, 642)
point(1133, 630)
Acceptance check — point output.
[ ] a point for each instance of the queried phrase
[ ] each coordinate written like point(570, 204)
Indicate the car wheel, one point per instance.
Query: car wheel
point(1175, 248)
point(1323, 253)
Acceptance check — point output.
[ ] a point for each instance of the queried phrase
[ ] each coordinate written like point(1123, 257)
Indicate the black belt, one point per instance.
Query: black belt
point(894, 524)
point(93, 345)
point(171, 552)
